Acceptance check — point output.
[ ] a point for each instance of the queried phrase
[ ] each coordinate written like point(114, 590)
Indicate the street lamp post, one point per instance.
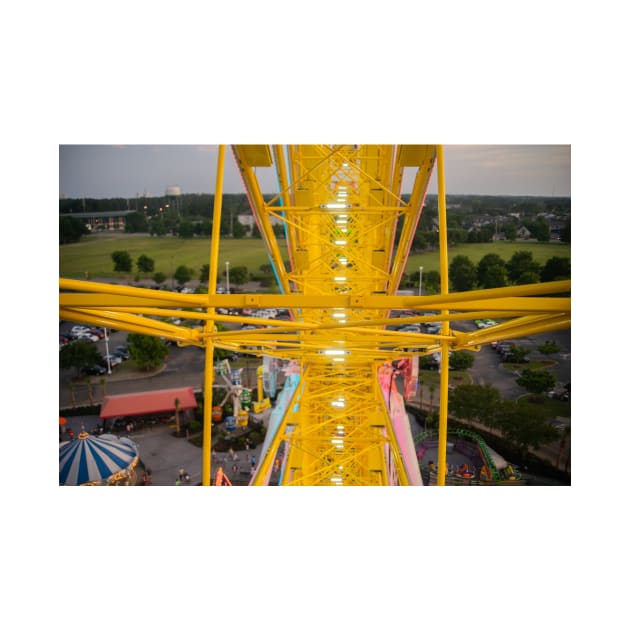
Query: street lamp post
point(109, 365)
point(420, 282)
point(227, 275)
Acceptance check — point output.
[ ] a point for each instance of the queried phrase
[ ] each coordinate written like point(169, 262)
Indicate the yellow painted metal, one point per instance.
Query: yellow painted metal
point(206, 448)
point(341, 206)
point(442, 428)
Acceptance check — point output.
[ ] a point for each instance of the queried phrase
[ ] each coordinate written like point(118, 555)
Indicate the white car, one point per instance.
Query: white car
point(113, 359)
point(86, 336)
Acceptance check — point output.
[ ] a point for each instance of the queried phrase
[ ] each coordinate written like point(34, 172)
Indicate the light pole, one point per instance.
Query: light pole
point(109, 365)
point(227, 275)
point(420, 282)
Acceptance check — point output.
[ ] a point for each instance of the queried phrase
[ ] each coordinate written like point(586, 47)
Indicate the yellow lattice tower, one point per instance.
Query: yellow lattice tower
point(348, 235)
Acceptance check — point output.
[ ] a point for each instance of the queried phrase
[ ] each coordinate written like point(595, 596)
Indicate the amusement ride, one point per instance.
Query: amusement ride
point(340, 417)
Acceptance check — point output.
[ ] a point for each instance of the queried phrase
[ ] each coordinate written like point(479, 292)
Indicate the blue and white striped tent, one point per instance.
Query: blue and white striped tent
point(96, 460)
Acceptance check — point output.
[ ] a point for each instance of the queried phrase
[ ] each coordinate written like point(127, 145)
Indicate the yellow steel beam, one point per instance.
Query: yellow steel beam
point(113, 294)
point(442, 430)
point(206, 446)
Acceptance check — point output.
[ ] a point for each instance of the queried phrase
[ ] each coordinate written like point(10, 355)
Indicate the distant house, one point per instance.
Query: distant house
point(248, 221)
point(101, 221)
point(523, 233)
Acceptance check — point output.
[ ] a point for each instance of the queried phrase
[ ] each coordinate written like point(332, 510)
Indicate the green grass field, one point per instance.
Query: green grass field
point(93, 254)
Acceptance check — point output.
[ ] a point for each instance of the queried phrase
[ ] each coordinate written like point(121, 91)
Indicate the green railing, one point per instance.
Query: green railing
point(483, 447)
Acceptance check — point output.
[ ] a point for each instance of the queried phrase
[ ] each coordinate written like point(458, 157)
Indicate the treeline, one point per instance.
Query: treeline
point(189, 215)
point(202, 204)
point(492, 272)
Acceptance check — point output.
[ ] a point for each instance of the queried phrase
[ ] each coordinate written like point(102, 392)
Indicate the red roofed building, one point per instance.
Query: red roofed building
point(141, 403)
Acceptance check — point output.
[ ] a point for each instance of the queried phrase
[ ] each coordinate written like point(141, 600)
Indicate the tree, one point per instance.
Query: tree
point(79, 354)
point(204, 274)
point(475, 403)
point(157, 227)
point(526, 427)
point(565, 434)
point(159, 277)
point(556, 268)
point(238, 275)
point(239, 231)
point(122, 260)
point(549, 347)
point(520, 263)
point(136, 222)
point(462, 273)
point(528, 277)
point(177, 427)
point(510, 231)
point(496, 276)
point(145, 264)
point(183, 274)
point(147, 351)
point(71, 230)
point(539, 229)
point(461, 360)
point(431, 396)
point(517, 354)
point(491, 271)
point(186, 229)
point(431, 282)
point(536, 381)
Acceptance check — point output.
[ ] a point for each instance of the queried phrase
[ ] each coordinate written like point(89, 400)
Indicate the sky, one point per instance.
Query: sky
point(105, 171)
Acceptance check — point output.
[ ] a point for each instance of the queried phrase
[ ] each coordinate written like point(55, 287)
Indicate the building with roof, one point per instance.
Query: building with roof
point(161, 401)
point(101, 221)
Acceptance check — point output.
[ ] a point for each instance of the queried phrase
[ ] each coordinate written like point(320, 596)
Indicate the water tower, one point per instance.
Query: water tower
point(173, 196)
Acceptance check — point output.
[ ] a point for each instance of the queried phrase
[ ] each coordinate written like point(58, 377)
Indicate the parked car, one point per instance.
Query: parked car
point(93, 370)
point(503, 347)
point(98, 332)
point(122, 352)
point(87, 336)
point(113, 360)
point(433, 328)
point(75, 330)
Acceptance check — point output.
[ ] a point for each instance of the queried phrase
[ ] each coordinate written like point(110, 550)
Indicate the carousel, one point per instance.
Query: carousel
point(104, 460)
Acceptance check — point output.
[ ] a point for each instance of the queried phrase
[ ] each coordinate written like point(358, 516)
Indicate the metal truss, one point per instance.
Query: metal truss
point(349, 233)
